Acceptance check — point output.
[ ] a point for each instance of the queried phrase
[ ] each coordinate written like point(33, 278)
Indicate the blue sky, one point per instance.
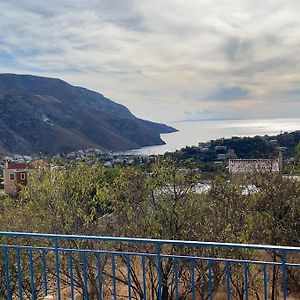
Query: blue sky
point(166, 60)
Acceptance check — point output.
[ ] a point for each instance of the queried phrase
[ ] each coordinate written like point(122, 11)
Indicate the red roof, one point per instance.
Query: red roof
point(15, 165)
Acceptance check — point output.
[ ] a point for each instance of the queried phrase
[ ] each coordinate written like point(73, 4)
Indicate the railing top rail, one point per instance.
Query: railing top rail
point(148, 241)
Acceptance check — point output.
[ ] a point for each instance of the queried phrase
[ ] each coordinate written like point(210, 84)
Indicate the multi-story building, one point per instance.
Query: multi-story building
point(239, 169)
point(15, 176)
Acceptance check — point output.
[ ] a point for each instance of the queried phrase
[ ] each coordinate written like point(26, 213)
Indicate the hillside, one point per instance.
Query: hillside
point(242, 147)
point(48, 115)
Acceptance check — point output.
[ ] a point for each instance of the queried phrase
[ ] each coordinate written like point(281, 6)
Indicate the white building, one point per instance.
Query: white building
point(239, 168)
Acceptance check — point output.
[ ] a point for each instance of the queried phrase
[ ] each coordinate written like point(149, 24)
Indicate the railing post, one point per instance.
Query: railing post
point(246, 281)
point(265, 282)
point(176, 278)
point(44, 267)
point(210, 283)
point(283, 262)
point(193, 279)
point(158, 252)
point(70, 258)
point(57, 269)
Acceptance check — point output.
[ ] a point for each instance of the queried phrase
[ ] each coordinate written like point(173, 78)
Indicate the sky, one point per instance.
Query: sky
point(166, 60)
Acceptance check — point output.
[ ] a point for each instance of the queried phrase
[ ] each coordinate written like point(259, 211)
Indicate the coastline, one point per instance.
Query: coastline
point(190, 133)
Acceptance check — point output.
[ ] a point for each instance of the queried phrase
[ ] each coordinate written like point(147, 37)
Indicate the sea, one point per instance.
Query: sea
point(192, 132)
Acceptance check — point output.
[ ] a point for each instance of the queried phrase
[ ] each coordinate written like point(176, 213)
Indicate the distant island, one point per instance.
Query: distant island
point(47, 116)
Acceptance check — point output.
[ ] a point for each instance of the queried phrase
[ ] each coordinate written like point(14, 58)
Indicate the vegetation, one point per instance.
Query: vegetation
point(160, 202)
point(241, 147)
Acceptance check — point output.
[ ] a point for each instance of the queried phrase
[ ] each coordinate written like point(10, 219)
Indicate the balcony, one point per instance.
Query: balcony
point(90, 267)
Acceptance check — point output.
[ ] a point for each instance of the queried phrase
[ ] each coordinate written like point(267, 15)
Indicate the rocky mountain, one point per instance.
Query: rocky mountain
point(48, 115)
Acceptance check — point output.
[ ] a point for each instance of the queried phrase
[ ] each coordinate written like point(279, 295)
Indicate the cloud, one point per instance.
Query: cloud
point(232, 57)
point(291, 94)
point(236, 48)
point(228, 94)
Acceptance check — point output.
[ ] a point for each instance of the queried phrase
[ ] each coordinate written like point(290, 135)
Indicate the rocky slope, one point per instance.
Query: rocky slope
point(48, 115)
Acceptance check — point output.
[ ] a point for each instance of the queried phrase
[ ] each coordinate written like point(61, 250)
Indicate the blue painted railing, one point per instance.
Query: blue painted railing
point(90, 267)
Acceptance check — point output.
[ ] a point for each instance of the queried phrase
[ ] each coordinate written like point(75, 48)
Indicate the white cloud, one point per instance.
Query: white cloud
point(163, 59)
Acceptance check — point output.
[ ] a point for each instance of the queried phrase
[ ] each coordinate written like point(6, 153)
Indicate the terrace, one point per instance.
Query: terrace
point(34, 265)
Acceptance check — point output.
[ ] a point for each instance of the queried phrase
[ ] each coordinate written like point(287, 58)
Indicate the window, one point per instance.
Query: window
point(12, 176)
point(23, 176)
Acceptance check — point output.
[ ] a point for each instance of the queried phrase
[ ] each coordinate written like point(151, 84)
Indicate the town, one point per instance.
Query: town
point(265, 154)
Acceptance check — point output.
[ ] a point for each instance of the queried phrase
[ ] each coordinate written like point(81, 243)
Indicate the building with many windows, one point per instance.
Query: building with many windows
point(240, 169)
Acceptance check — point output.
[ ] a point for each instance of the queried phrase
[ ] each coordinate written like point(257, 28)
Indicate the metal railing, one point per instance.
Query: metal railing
point(33, 265)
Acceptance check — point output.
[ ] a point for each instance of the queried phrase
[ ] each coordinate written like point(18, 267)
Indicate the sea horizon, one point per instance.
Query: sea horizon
point(191, 132)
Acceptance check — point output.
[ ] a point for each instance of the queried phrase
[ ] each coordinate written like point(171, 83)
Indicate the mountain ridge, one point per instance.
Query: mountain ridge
point(48, 115)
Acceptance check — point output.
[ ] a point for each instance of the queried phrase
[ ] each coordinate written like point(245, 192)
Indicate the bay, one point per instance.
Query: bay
point(192, 132)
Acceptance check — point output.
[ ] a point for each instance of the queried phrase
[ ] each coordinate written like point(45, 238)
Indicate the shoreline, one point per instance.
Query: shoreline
point(192, 133)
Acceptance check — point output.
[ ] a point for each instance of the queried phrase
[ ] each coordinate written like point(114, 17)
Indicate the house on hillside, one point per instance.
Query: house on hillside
point(239, 169)
point(220, 148)
point(15, 175)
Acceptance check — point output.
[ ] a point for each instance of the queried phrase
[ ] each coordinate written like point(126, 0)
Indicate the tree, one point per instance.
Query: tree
point(159, 204)
point(163, 201)
point(70, 199)
point(276, 215)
